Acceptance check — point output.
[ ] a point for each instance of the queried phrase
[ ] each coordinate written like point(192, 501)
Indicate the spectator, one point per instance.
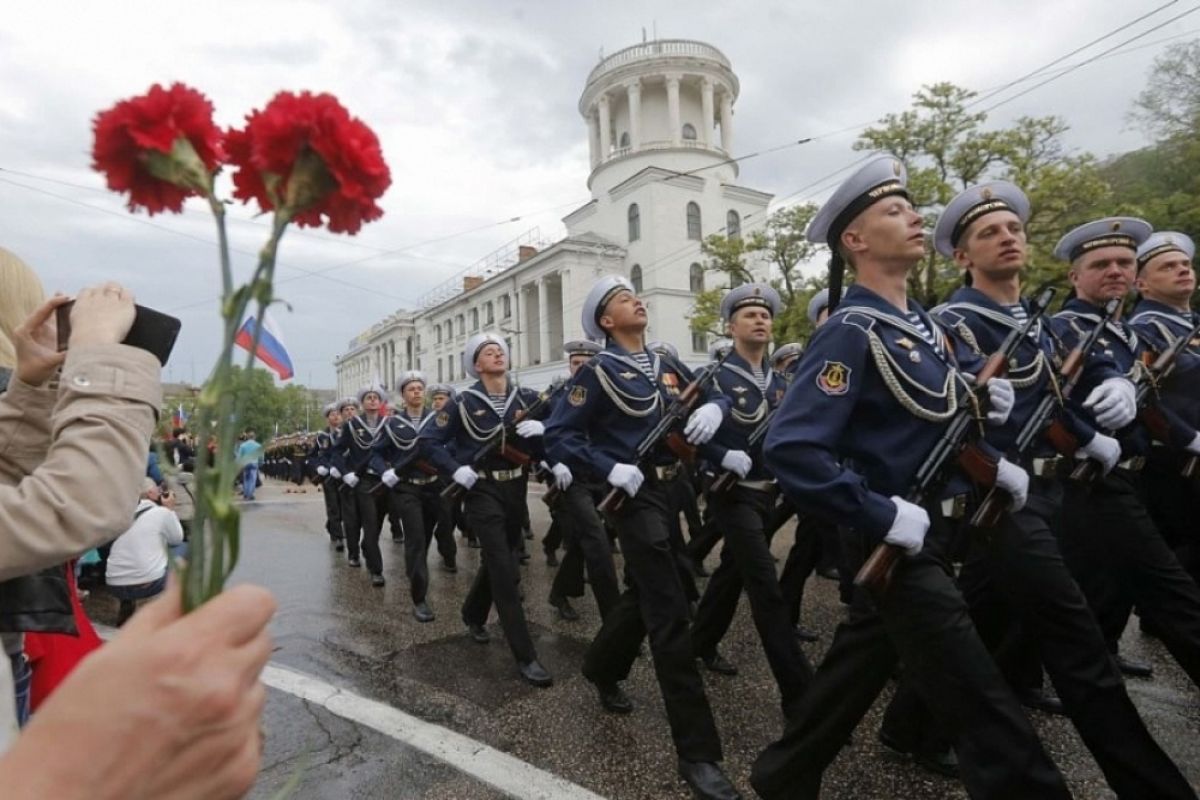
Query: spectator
point(249, 454)
point(137, 562)
point(153, 471)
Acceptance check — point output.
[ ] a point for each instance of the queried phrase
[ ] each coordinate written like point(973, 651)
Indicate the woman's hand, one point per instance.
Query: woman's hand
point(36, 343)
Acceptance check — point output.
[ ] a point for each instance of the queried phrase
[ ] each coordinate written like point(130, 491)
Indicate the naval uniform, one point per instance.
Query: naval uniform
point(871, 397)
point(611, 404)
point(741, 514)
point(1109, 540)
point(415, 500)
point(493, 506)
point(324, 446)
point(362, 444)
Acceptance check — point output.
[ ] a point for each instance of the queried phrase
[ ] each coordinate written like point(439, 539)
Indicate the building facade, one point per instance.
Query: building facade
point(659, 119)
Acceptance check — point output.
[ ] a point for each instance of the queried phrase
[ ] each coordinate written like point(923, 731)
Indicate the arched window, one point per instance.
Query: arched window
point(689, 131)
point(474, 319)
point(623, 142)
point(462, 324)
point(693, 221)
point(505, 307)
point(489, 312)
point(699, 342)
point(733, 225)
point(696, 278)
point(635, 277)
point(439, 334)
point(635, 222)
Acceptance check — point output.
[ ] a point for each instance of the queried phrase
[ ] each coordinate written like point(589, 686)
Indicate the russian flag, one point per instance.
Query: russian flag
point(271, 350)
point(180, 419)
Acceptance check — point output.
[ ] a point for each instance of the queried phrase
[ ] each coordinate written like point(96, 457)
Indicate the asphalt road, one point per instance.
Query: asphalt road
point(367, 703)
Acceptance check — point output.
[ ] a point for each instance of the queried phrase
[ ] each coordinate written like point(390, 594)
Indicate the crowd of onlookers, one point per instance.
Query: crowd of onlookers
point(171, 706)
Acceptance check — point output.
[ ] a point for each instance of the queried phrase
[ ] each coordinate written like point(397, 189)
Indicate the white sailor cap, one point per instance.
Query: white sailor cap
point(348, 401)
point(818, 303)
point(1164, 242)
point(786, 351)
point(411, 376)
point(605, 289)
point(376, 388)
point(474, 345)
point(441, 388)
point(329, 409)
point(1108, 232)
point(581, 347)
point(665, 348)
point(973, 203)
point(750, 294)
point(718, 349)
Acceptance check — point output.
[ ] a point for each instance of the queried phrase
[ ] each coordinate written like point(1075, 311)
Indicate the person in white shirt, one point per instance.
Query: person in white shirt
point(137, 562)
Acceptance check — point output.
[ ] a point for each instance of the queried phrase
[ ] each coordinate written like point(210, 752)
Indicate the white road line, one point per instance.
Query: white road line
point(510, 775)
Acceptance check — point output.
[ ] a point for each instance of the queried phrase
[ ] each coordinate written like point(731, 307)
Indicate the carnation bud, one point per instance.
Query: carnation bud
point(182, 167)
point(308, 184)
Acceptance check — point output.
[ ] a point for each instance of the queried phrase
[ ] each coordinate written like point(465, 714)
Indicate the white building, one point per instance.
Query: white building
point(660, 127)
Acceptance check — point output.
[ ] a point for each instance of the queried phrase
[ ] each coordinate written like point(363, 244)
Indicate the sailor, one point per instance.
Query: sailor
point(740, 513)
point(785, 358)
point(362, 444)
point(612, 404)
point(347, 499)
point(1110, 542)
point(871, 398)
point(496, 488)
point(323, 451)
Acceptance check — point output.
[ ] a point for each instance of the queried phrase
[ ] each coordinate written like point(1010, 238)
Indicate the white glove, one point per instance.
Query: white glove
point(1015, 481)
point(737, 462)
point(1194, 446)
point(1104, 449)
point(529, 428)
point(1114, 403)
point(322, 471)
point(562, 477)
point(627, 478)
point(350, 479)
point(1001, 397)
point(909, 527)
point(465, 477)
point(390, 478)
point(334, 472)
point(703, 423)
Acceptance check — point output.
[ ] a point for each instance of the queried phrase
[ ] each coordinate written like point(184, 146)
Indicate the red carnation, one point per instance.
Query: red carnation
point(306, 154)
point(161, 147)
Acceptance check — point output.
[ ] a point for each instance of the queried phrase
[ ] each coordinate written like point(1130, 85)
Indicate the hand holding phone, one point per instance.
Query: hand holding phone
point(107, 315)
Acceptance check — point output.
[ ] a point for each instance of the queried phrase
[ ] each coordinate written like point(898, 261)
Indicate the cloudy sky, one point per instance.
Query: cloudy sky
point(475, 103)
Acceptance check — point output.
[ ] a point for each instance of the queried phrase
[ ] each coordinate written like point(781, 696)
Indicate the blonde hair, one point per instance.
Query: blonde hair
point(20, 294)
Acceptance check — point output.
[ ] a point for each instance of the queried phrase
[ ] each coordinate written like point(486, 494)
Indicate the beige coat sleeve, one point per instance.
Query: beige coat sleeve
point(84, 491)
point(24, 427)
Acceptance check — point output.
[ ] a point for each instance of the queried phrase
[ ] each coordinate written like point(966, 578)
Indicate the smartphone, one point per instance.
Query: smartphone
point(152, 331)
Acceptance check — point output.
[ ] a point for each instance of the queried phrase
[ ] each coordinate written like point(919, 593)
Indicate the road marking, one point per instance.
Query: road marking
point(514, 777)
point(511, 775)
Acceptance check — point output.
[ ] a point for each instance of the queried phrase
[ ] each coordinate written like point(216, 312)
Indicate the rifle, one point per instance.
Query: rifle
point(498, 442)
point(876, 573)
point(1158, 369)
point(1044, 416)
point(727, 480)
point(664, 431)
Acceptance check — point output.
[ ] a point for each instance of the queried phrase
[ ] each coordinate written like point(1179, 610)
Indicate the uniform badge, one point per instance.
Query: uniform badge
point(480, 412)
point(905, 342)
point(628, 375)
point(741, 401)
point(671, 382)
point(834, 379)
point(740, 389)
point(578, 396)
point(914, 357)
point(443, 419)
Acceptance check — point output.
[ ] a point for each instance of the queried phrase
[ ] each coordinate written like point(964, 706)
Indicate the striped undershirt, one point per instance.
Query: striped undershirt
point(760, 377)
point(498, 401)
point(644, 364)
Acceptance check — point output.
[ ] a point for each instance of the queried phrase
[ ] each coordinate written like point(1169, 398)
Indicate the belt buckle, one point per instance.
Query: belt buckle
point(954, 507)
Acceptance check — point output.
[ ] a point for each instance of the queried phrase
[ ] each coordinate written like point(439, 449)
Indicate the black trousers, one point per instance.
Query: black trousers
point(333, 509)
point(1016, 571)
point(587, 545)
point(1120, 559)
point(494, 512)
point(923, 620)
point(351, 526)
point(372, 509)
point(654, 603)
point(1174, 504)
point(417, 507)
point(746, 563)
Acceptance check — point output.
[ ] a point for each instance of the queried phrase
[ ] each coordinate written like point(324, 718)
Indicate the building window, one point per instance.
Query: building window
point(635, 222)
point(693, 221)
point(505, 307)
point(635, 277)
point(441, 378)
point(474, 319)
point(462, 325)
point(449, 331)
point(624, 141)
point(439, 334)
point(699, 342)
point(449, 368)
point(489, 313)
point(689, 131)
point(733, 225)
point(696, 279)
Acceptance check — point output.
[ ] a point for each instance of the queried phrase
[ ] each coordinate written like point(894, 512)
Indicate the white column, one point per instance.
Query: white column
point(593, 139)
point(634, 92)
point(543, 321)
point(605, 129)
point(727, 122)
point(565, 279)
point(673, 107)
point(706, 100)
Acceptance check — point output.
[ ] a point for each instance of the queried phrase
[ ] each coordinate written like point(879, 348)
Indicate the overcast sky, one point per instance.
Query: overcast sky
point(475, 104)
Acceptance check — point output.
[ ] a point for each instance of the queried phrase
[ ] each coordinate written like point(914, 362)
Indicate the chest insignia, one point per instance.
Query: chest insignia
point(906, 343)
point(442, 419)
point(914, 356)
point(628, 375)
point(834, 379)
point(578, 396)
point(480, 412)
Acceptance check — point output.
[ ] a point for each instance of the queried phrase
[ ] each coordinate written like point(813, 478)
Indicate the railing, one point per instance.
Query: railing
point(665, 144)
point(499, 260)
point(656, 49)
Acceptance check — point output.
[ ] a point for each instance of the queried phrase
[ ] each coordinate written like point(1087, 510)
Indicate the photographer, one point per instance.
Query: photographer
point(137, 562)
